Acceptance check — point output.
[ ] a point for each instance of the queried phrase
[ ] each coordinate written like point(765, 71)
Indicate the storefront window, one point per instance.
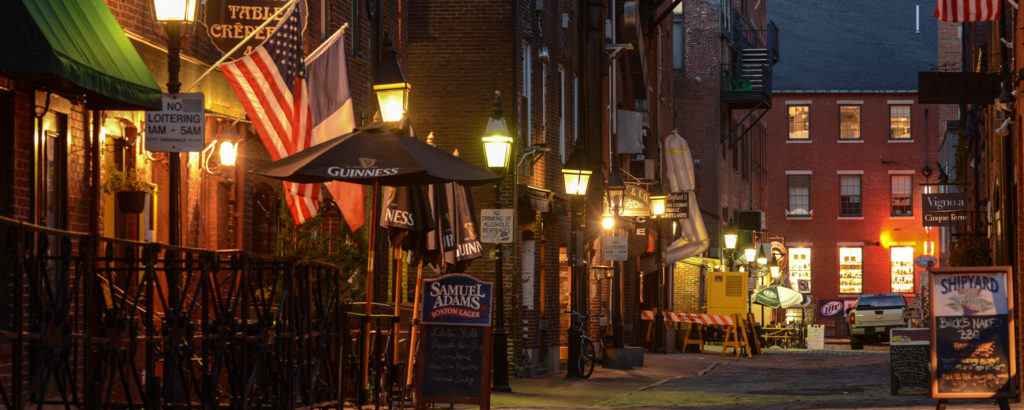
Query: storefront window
point(902, 260)
point(851, 270)
point(800, 269)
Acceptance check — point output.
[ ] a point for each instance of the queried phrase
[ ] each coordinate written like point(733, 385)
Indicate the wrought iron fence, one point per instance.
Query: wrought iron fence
point(106, 323)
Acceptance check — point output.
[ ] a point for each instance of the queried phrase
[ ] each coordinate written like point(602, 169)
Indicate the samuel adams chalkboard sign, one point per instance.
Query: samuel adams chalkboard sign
point(454, 360)
point(973, 353)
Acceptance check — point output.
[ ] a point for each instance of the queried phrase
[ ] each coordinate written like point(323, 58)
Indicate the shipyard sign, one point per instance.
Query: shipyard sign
point(944, 209)
point(456, 299)
point(228, 22)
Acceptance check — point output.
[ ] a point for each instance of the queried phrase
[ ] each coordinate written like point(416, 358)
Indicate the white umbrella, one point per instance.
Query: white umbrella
point(679, 178)
point(777, 296)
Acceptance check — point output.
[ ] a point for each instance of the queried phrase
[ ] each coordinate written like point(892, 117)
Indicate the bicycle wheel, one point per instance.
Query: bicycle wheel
point(586, 358)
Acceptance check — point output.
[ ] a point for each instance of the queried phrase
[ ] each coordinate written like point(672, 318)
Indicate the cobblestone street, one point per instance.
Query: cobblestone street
point(779, 379)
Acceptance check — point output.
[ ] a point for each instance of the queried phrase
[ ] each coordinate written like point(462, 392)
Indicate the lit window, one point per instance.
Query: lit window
point(799, 196)
point(800, 269)
point(851, 270)
point(799, 122)
point(849, 122)
point(902, 259)
point(902, 189)
point(849, 191)
point(899, 122)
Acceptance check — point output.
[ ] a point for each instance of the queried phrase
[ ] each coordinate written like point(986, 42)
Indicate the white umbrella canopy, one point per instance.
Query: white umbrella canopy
point(777, 296)
point(679, 177)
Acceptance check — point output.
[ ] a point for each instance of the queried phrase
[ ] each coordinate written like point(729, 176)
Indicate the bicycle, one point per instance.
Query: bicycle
point(588, 355)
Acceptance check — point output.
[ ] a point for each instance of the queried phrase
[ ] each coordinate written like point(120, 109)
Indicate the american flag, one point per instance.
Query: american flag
point(270, 83)
point(963, 11)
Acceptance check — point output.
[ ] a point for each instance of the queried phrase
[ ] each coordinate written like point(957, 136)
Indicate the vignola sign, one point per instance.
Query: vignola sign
point(230, 21)
point(944, 209)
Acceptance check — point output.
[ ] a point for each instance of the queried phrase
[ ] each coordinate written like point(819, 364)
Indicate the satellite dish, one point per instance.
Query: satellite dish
point(925, 261)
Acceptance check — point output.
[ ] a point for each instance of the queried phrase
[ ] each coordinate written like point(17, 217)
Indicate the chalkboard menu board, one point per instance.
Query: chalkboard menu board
point(454, 362)
point(972, 353)
point(454, 359)
point(908, 360)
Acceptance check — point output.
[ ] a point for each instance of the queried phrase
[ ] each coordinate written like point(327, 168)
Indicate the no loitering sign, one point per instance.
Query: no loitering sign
point(179, 127)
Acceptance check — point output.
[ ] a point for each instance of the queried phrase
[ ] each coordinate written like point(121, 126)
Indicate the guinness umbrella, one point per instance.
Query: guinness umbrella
point(377, 155)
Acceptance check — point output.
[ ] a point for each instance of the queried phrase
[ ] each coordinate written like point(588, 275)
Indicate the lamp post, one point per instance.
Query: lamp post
point(616, 188)
point(729, 240)
point(390, 85)
point(174, 13)
point(392, 92)
point(576, 177)
point(498, 149)
point(657, 211)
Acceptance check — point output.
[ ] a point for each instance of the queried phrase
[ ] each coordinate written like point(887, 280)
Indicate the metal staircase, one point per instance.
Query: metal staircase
point(752, 66)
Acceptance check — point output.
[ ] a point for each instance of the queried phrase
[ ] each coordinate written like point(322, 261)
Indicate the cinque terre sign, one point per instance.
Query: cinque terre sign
point(230, 21)
point(944, 209)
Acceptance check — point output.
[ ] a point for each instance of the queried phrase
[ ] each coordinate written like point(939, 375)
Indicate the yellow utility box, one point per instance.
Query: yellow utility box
point(727, 293)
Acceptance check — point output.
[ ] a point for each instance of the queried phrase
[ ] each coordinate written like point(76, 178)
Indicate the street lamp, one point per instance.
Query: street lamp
point(616, 189)
point(657, 199)
point(577, 177)
point(498, 149)
point(729, 241)
point(390, 85)
point(174, 13)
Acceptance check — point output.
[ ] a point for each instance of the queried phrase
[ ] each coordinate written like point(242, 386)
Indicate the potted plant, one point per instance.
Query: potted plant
point(128, 188)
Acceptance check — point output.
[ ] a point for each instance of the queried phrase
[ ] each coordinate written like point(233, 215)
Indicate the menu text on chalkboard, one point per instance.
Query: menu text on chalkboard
point(972, 328)
point(453, 361)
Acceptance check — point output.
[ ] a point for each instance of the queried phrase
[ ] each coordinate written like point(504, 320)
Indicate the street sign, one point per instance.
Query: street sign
point(677, 205)
point(496, 225)
point(179, 127)
point(616, 248)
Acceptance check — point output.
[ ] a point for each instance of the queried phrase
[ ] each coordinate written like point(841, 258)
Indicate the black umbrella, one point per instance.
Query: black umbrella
point(376, 155)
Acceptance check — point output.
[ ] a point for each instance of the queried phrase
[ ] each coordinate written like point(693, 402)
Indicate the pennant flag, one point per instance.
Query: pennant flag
point(963, 11)
point(270, 84)
point(330, 105)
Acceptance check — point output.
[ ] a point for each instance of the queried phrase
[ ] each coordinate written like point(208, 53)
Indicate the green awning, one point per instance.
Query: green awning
point(76, 47)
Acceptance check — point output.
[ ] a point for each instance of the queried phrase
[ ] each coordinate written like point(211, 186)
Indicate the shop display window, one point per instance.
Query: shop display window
point(851, 270)
point(902, 261)
point(800, 269)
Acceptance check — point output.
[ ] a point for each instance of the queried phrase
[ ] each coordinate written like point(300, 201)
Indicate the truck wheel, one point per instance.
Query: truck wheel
point(856, 342)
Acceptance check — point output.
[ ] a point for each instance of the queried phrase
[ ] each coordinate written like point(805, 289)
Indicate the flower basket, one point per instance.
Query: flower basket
point(131, 202)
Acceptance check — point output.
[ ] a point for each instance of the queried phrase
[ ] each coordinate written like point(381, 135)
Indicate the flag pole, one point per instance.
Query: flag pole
point(245, 39)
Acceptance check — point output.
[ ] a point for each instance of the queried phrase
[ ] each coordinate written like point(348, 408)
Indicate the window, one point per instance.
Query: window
point(799, 122)
point(800, 269)
point(902, 190)
point(799, 196)
point(899, 122)
point(849, 191)
point(851, 269)
point(678, 43)
point(849, 122)
point(527, 127)
point(902, 261)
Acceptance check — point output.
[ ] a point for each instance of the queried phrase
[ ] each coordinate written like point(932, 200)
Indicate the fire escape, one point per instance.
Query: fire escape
point(746, 80)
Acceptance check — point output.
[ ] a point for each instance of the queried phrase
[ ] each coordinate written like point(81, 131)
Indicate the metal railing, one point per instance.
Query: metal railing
point(106, 323)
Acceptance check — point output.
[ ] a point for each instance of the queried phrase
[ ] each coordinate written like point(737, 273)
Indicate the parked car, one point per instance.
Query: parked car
point(874, 315)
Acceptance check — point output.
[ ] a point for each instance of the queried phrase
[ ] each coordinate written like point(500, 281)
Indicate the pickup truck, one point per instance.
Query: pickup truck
point(874, 315)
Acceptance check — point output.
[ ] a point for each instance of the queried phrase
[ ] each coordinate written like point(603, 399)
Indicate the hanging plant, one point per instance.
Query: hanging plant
point(128, 188)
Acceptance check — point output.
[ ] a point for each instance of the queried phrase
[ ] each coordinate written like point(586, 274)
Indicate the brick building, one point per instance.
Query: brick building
point(851, 150)
point(724, 53)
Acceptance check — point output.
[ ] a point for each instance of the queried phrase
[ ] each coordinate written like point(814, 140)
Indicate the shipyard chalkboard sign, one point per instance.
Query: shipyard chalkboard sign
point(973, 353)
